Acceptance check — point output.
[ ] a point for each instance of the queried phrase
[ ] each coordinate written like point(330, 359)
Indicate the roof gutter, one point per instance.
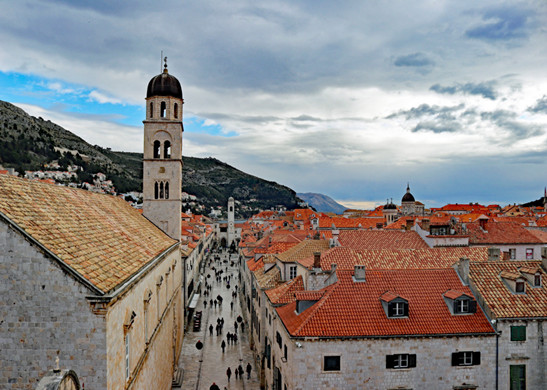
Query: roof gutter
point(67, 268)
point(317, 338)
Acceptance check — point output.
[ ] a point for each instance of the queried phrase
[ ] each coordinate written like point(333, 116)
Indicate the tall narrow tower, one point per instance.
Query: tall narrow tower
point(162, 163)
point(231, 226)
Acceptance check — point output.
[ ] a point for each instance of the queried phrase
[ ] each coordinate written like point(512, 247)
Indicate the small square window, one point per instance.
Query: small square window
point(331, 363)
point(519, 286)
point(518, 333)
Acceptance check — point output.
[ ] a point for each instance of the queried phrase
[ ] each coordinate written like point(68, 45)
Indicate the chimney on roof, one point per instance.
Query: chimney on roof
point(425, 224)
point(462, 268)
point(316, 259)
point(409, 224)
point(359, 273)
point(494, 254)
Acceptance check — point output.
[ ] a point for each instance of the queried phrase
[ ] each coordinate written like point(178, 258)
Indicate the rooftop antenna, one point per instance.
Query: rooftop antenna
point(161, 61)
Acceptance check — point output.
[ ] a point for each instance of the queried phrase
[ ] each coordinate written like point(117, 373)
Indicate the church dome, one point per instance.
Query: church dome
point(408, 197)
point(164, 85)
point(390, 206)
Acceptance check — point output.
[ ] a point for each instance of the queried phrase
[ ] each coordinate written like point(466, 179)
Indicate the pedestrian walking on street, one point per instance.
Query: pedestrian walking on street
point(235, 325)
point(229, 373)
point(223, 345)
point(231, 305)
point(249, 368)
point(215, 301)
point(240, 369)
point(210, 303)
point(234, 338)
point(214, 387)
point(205, 304)
point(236, 371)
point(229, 337)
point(243, 327)
point(210, 329)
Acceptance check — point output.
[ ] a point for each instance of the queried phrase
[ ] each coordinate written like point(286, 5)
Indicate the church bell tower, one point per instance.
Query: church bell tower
point(162, 163)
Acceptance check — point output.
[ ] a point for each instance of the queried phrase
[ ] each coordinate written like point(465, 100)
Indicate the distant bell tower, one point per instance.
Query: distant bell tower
point(231, 226)
point(162, 163)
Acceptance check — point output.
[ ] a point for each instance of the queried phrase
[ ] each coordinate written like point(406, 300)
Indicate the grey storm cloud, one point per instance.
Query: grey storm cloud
point(540, 107)
point(437, 127)
point(415, 59)
point(484, 89)
point(501, 24)
point(508, 121)
point(427, 110)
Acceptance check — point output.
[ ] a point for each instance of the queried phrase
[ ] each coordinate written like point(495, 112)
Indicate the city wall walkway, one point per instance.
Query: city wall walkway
point(202, 368)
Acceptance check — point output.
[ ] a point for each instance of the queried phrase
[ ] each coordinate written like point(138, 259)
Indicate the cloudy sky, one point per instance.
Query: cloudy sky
point(351, 99)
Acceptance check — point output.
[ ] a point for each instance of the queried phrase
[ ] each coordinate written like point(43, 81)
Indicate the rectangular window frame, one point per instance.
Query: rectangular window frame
point(512, 253)
point(529, 253)
point(401, 361)
point(518, 333)
point(292, 272)
point(127, 354)
point(332, 363)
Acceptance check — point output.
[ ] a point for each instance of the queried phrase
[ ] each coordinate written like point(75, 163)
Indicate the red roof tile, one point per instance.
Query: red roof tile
point(349, 309)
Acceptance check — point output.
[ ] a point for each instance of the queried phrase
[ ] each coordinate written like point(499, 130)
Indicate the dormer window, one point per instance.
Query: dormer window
point(532, 275)
point(394, 305)
point(537, 280)
point(514, 281)
point(459, 302)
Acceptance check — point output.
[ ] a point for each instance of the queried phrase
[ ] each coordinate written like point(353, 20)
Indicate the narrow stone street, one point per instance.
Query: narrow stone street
point(202, 368)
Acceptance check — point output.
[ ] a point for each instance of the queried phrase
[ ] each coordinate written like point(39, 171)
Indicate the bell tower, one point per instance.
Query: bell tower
point(162, 163)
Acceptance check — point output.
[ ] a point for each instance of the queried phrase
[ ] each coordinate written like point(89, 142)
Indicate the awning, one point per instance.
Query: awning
point(194, 302)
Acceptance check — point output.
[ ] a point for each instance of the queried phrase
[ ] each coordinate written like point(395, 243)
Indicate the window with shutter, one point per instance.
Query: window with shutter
point(466, 358)
point(518, 333)
point(404, 360)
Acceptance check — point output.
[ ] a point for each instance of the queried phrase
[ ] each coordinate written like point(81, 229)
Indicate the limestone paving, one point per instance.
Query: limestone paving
point(202, 368)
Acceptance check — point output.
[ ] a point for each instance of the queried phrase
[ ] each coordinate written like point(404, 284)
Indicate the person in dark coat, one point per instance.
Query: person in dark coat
point(210, 329)
point(240, 369)
point(214, 386)
point(229, 373)
point(236, 371)
point(243, 326)
point(223, 345)
point(248, 369)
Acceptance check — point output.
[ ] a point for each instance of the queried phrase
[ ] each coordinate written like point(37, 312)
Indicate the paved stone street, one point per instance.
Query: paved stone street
point(202, 368)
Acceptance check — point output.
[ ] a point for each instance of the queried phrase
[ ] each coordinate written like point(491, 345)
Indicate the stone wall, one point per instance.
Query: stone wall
point(530, 352)
point(363, 363)
point(44, 313)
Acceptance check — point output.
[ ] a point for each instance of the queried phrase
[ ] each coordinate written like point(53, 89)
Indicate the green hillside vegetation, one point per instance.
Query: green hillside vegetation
point(27, 143)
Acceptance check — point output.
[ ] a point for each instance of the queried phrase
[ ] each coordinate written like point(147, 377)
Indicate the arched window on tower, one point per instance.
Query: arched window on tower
point(162, 109)
point(176, 108)
point(161, 190)
point(166, 190)
point(157, 146)
point(167, 149)
point(156, 190)
point(151, 109)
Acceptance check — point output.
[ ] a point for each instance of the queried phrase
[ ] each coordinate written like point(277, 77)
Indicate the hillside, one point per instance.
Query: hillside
point(322, 203)
point(27, 143)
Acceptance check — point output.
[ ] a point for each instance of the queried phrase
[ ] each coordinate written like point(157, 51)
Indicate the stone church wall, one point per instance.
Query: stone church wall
point(44, 314)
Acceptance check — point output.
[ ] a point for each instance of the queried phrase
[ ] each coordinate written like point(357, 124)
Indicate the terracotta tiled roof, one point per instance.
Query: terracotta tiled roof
point(346, 258)
point(303, 250)
point(254, 265)
point(541, 235)
point(349, 309)
point(497, 295)
point(268, 279)
point(454, 294)
point(381, 239)
point(500, 233)
point(285, 293)
point(101, 237)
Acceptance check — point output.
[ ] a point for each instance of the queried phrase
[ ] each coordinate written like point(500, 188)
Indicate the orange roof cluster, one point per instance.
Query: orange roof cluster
point(285, 293)
point(303, 250)
point(350, 309)
point(430, 258)
point(381, 239)
point(504, 303)
point(101, 237)
point(500, 233)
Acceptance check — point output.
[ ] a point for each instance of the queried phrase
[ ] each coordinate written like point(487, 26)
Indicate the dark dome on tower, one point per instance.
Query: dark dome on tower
point(164, 85)
point(408, 197)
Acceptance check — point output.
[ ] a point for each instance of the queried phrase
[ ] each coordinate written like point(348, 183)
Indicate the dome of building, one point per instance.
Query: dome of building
point(390, 206)
point(164, 85)
point(408, 197)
